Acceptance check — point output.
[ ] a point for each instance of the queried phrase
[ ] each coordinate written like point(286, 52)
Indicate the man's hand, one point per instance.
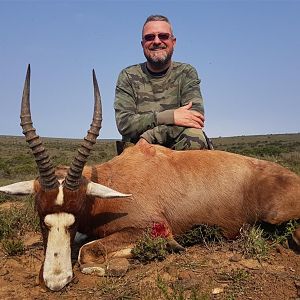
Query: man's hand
point(184, 116)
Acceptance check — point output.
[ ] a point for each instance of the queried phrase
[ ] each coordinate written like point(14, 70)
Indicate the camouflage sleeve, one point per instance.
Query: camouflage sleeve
point(191, 90)
point(130, 123)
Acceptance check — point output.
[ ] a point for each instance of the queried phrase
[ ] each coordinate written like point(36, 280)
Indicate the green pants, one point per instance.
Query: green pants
point(190, 139)
point(176, 137)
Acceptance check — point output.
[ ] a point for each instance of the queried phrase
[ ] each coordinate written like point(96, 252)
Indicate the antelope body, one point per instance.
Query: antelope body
point(176, 189)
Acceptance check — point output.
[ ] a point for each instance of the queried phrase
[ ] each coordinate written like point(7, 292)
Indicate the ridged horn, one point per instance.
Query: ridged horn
point(48, 178)
point(73, 178)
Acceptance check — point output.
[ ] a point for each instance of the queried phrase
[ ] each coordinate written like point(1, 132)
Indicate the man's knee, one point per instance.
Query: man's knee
point(191, 139)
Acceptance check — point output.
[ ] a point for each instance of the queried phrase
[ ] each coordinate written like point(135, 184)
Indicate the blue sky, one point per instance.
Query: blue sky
point(247, 54)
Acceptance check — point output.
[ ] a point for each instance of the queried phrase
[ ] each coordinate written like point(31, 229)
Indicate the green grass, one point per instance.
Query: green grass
point(15, 221)
point(18, 219)
point(17, 162)
point(13, 247)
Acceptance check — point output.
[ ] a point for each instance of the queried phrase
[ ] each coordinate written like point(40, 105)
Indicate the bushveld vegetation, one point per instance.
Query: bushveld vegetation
point(281, 148)
point(17, 163)
point(17, 215)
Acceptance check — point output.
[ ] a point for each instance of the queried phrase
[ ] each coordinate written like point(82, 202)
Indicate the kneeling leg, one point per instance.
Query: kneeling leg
point(107, 256)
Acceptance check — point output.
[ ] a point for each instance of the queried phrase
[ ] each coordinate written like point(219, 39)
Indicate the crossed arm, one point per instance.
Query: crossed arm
point(187, 117)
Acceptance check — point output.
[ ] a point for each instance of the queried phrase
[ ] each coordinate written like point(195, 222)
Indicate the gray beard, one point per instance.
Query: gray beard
point(159, 62)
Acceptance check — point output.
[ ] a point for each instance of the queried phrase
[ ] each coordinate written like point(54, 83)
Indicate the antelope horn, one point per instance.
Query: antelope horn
point(48, 178)
point(73, 178)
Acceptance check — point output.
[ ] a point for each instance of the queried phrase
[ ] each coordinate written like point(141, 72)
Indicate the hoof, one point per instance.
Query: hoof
point(296, 236)
point(174, 246)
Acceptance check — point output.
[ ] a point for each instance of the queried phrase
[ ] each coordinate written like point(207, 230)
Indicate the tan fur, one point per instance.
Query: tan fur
point(184, 188)
point(175, 189)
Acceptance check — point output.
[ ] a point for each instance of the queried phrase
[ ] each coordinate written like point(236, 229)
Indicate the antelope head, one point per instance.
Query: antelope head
point(59, 199)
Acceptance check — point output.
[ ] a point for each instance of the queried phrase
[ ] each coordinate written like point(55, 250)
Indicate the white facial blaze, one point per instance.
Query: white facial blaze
point(60, 197)
point(57, 266)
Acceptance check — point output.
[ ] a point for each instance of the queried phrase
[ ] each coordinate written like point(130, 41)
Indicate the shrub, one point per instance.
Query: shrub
point(282, 233)
point(18, 219)
point(13, 247)
point(201, 234)
point(150, 248)
point(252, 242)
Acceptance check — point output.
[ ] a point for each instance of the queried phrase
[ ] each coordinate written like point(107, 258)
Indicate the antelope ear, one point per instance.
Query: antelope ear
point(99, 190)
point(19, 188)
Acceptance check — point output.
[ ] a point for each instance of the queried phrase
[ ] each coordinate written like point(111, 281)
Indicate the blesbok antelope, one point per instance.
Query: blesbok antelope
point(175, 189)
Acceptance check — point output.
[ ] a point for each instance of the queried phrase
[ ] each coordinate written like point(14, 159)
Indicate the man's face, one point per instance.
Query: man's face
point(158, 43)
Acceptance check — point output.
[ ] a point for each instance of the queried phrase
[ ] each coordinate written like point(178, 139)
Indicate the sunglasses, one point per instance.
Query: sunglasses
point(162, 36)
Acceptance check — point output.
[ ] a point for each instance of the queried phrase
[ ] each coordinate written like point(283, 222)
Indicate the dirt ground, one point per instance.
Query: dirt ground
point(199, 273)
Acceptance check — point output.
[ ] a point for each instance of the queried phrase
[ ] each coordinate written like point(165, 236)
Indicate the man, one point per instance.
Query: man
point(160, 100)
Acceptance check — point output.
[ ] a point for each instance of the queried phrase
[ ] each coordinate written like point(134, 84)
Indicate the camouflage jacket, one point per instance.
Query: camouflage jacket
point(143, 102)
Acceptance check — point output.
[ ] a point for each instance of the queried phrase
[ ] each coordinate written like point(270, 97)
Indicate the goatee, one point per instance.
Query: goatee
point(159, 61)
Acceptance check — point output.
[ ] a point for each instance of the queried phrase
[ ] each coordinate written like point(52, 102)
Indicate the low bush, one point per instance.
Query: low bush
point(13, 247)
point(149, 248)
point(201, 234)
point(252, 242)
point(18, 219)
